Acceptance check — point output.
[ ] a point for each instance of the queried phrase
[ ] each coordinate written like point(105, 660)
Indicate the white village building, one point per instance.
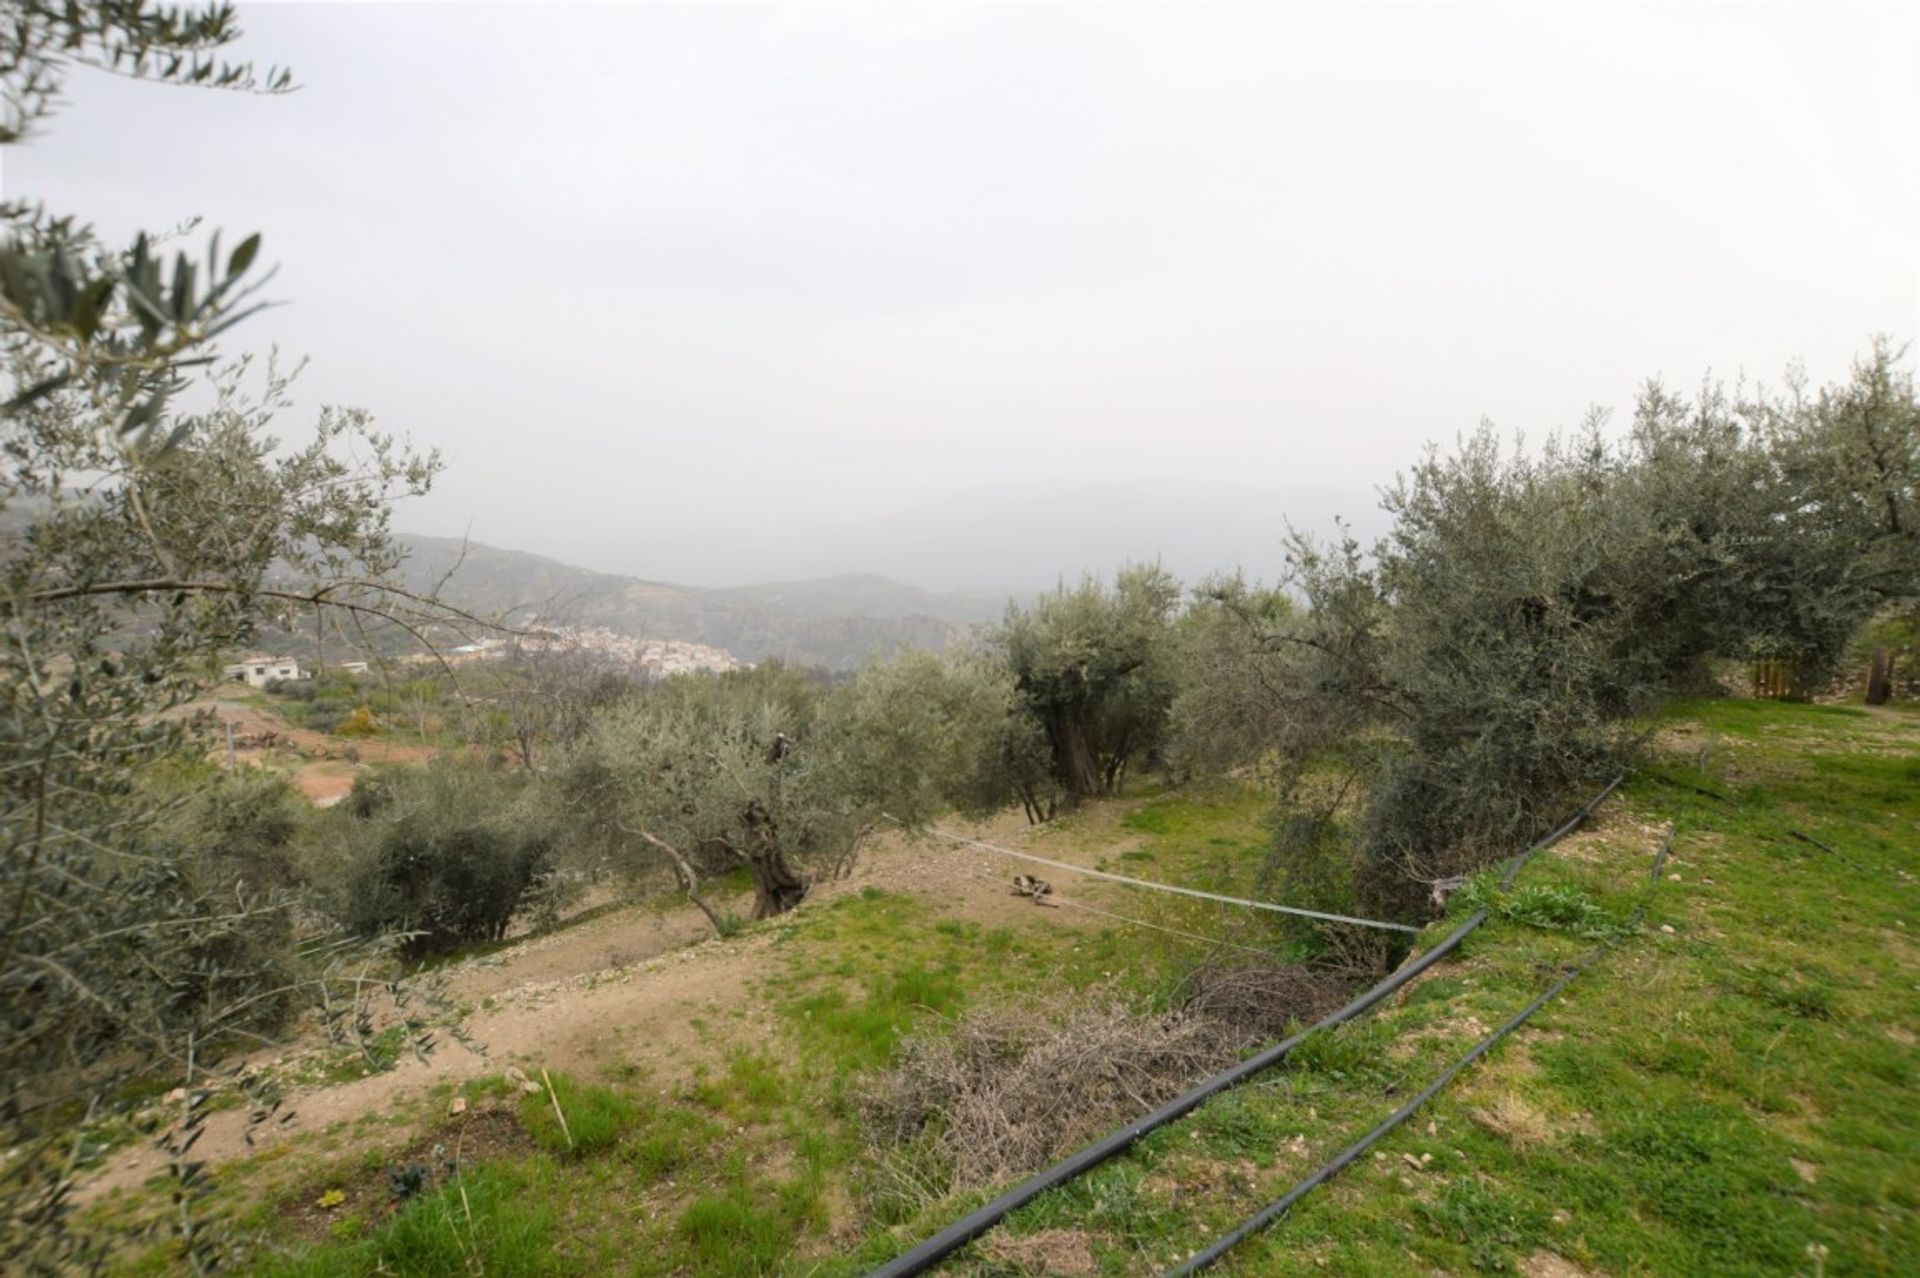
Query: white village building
point(258, 672)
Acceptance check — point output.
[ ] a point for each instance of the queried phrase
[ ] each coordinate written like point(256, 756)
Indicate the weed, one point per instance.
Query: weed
point(1553, 907)
point(595, 1116)
point(1490, 1223)
point(669, 1140)
point(492, 1220)
point(747, 1092)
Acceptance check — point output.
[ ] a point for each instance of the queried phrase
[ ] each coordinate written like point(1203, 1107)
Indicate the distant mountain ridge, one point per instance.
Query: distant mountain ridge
point(838, 622)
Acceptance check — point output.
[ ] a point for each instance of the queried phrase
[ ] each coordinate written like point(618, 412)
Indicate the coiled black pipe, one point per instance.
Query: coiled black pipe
point(979, 1221)
point(1346, 1157)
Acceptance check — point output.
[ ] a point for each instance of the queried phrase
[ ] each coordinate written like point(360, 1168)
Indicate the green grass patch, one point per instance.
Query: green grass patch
point(1555, 907)
point(595, 1116)
point(498, 1220)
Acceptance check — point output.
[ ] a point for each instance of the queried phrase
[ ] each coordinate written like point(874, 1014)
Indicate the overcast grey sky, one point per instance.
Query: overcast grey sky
point(670, 283)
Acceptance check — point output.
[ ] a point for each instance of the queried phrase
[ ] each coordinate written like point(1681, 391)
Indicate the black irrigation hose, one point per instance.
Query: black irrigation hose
point(1345, 1158)
point(979, 1221)
point(1844, 860)
point(1664, 779)
point(1678, 784)
point(1566, 827)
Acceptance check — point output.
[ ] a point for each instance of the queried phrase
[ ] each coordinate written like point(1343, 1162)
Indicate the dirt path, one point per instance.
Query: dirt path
point(633, 986)
point(325, 773)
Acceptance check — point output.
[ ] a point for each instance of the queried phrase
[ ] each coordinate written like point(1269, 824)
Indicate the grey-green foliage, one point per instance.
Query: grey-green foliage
point(140, 543)
point(232, 834)
point(1498, 649)
point(771, 771)
point(715, 772)
point(922, 733)
point(42, 41)
point(119, 326)
point(1094, 668)
point(125, 576)
point(244, 824)
point(444, 856)
point(1227, 712)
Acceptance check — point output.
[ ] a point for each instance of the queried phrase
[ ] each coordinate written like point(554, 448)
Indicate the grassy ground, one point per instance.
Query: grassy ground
point(1729, 1090)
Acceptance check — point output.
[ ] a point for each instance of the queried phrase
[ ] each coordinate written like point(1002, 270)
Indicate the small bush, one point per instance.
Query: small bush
point(445, 856)
point(294, 689)
point(360, 723)
point(241, 823)
point(372, 791)
point(232, 836)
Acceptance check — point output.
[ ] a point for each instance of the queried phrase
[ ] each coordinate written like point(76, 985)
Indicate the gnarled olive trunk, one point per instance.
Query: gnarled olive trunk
point(776, 888)
point(1072, 755)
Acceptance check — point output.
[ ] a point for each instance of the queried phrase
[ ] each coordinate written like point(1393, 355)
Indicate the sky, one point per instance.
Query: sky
point(680, 290)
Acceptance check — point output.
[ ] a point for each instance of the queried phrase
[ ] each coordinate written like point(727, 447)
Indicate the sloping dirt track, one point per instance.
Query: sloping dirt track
point(632, 986)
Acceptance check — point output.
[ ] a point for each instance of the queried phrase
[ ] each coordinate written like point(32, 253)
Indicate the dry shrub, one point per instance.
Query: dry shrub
point(1513, 1116)
point(1055, 1253)
point(1011, 1088)
point(1258, 1001)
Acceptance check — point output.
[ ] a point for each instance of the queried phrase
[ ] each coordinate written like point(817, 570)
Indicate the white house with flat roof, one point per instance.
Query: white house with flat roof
point(258, 672)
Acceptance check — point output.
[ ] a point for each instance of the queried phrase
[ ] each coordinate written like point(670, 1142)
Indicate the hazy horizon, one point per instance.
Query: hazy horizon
point(1017, 538)
point(680, 291)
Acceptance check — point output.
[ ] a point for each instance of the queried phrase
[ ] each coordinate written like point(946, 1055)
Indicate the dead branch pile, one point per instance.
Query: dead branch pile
point(1011, 1088)
point(1016, 1087)
point(1005, 1090)
point(1258, 1002)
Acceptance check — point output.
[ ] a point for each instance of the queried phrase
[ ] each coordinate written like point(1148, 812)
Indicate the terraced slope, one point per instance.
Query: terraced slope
point(1730, 1089)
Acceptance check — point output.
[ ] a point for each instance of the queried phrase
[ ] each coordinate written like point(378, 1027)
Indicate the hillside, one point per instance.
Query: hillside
point(1727, 1089)
point(836, 622)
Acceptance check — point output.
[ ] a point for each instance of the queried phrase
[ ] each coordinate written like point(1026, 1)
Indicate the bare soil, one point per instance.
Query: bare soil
point(636, 986)
point(319, 761)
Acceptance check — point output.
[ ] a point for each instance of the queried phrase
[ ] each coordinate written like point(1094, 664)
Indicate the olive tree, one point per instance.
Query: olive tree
point(714, 773)
point(770, 771)
point(440, 857)
point(1093, 667)
point(1230, 701)
point(1503, 644)
point(139, 543)
point(923, 733)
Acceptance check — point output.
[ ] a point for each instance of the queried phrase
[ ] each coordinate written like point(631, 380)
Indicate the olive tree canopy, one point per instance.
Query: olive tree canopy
point(1503, 644)
point(1094, 668)
point(138, 543)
